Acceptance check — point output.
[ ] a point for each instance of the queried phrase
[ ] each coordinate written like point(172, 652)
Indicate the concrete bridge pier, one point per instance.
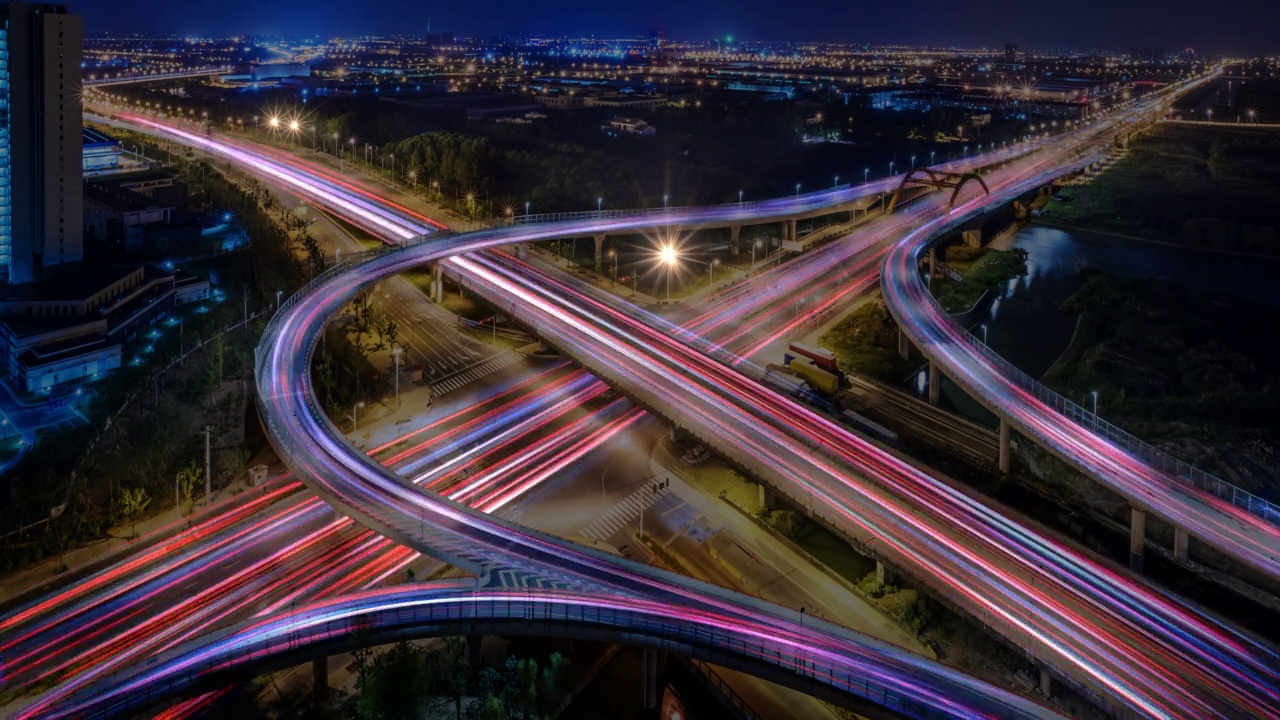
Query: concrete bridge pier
point(320, 679)
point(972, 237)
point(790, 231)
point(884, 575)
point(649, 678)
point(935, 383)
point(1181, 541)
point(1046, 683)
point(768, 498)
point(438, 282)
point(1137, 538)
point(933, 262)
point(904, 345)
point(599, 251)
point(735, 239)
point(1003, 459)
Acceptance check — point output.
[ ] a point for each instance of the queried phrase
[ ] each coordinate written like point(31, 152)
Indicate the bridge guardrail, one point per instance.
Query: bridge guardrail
point(540, 218)
point(1183, 471)
point(437, 616)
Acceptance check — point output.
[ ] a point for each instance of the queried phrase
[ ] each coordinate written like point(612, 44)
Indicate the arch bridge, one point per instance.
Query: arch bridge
point(938, 180)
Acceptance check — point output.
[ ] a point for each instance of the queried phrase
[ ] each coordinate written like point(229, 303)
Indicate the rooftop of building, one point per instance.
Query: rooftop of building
point(89, 136)
point(74, 284)
point(121, 199)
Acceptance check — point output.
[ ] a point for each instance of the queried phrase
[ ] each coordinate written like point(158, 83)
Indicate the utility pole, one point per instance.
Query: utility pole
point(208, 479)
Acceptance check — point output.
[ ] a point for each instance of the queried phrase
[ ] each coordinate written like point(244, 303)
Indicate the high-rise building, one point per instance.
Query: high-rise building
point(1011, 52)
point(657, 38)
point(41, 215)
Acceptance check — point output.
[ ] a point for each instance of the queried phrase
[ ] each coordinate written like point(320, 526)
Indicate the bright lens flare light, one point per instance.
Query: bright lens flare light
point(668, 255)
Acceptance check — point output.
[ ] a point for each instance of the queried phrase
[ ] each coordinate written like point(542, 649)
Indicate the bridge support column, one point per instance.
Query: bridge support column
point(935, 382)
point(599, 251)
point(933, 263)
point(904, 345)
point(439, 282)
point(768, 499)
point(1181, 541)
point(735, 239)
point(649, 675)
point(791, 231)
point(1003, 459)
point(320, 679)
point(1137, 538)
point(973, 238)
point(1046, 683)
point(884, 575)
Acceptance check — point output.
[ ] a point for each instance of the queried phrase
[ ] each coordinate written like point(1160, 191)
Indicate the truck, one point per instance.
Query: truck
point(817, 378)
point(821, 357)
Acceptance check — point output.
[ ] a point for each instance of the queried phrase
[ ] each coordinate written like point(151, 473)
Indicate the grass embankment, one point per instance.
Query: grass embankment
point(1210, 188)
point(866, 341)
point(1173, 364)
point(983, 269)
point(357, 233)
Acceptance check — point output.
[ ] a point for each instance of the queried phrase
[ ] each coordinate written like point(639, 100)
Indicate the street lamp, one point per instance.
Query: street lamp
point(931, 154)
point(526, 208)
point(797, 189)
point(711, 271)
point(613, 256)
point(891, 164)
point(355, 415)
point(278, 294)
point(739, 197)
point(669, 256)
point(664, 202)
point(1095, 409)
point(865, 173)
point(599, 204)
point(836, 181)
point(758, 243)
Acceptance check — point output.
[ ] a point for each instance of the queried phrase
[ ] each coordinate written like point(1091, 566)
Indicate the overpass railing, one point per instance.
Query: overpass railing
point(436, 618)
point(539, 218)
point(1154, 456)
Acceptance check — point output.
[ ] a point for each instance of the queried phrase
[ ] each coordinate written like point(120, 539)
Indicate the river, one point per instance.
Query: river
point(1027, 327)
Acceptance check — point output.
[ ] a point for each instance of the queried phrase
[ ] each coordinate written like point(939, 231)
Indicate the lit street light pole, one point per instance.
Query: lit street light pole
point(355, 415)
point(865, 173)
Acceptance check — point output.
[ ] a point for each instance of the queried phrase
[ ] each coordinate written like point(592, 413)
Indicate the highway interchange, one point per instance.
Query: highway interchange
point(1120, 640)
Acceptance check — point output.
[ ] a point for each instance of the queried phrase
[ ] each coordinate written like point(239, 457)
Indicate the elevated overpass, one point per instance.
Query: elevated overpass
point(863, 679)
point(564, 321)
point(1231, 520)
point(155, 77)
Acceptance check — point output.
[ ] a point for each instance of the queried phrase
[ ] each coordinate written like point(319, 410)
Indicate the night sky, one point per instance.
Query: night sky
point(1246, 26)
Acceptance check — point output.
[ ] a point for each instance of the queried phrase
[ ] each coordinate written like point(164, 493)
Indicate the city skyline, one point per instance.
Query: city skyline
point(1239, 28)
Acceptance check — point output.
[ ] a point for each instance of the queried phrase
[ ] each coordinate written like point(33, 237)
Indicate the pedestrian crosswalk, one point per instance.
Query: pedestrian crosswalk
point(468, 375)
point(627, 511)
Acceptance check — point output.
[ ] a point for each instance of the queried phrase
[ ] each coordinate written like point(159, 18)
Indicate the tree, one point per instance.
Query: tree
point(133, 502)
point(555, 676)
point(394, 684)
point(454, 665)
point(190, 480)
point(527, 686)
